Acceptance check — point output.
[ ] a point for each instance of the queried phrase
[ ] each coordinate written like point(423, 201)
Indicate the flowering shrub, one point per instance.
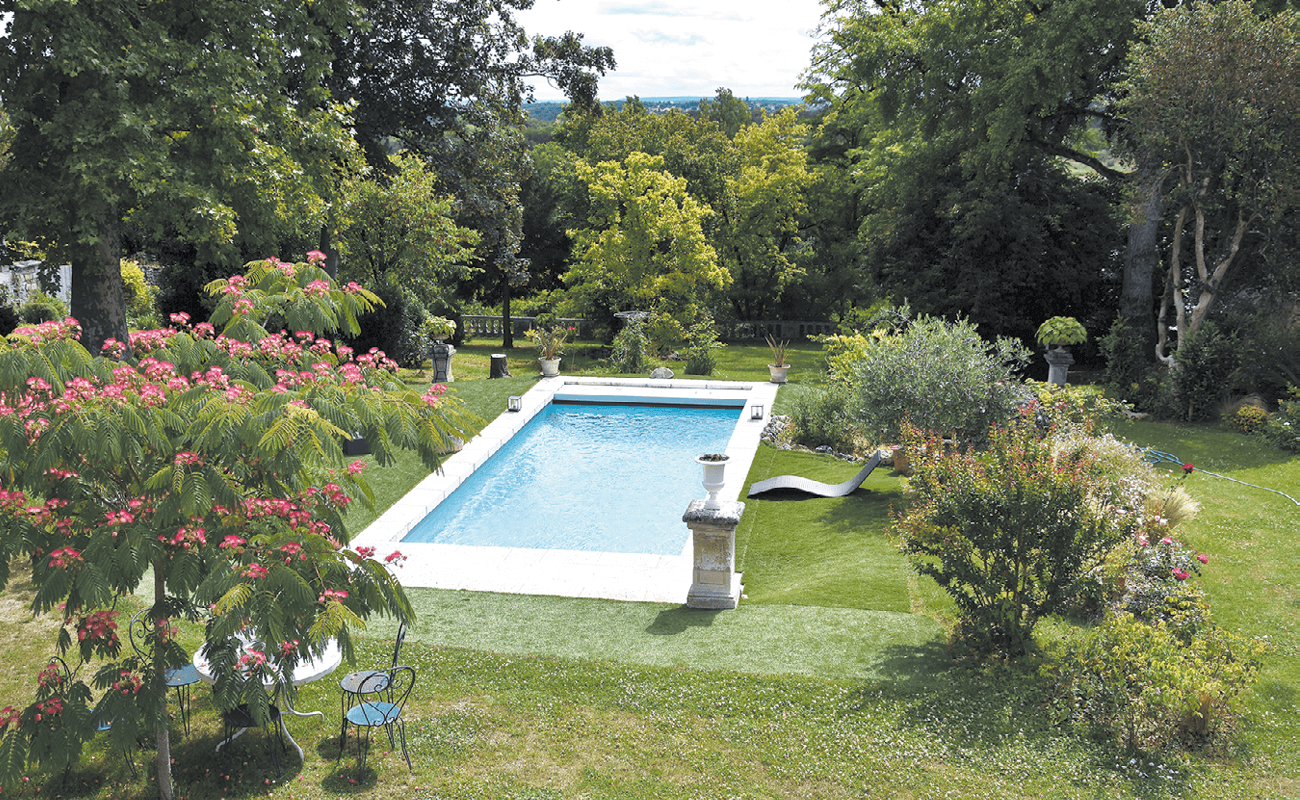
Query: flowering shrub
point(1076, 407)
point(1247, 419)
point(210, 454)
point(1008, 531)
point(1144, 684)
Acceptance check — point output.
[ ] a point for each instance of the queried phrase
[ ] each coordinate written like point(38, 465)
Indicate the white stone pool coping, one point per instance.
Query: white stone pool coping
point(566, 573)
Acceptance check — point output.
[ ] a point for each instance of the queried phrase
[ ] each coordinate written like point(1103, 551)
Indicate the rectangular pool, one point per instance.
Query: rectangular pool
point(603, 478)
point(556, 542)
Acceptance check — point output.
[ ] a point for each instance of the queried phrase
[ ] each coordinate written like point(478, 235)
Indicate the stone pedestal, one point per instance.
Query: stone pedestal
point(440, 354)
point(498, 368)
point(1058, 365)
point(714, 581)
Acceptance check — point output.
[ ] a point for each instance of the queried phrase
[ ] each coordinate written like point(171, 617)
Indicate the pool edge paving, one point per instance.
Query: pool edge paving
point(564, 573)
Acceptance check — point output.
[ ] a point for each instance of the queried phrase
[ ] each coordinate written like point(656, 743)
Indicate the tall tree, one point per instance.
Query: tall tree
point(446, 80)
point(164, 116)
point(974, 95)
point(644, 246)
point(1213, 97)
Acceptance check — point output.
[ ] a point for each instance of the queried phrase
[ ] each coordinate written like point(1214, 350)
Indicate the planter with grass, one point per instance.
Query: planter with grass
point(779, 366)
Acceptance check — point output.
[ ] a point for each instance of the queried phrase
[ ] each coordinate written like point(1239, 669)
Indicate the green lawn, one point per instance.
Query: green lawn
point(830, 680)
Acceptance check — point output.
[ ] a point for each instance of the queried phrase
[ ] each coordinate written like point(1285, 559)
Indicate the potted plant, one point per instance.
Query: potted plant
point(715, 465)
point(779, 366)
point(440, 352)
point(549, 337)
point(1054, 334)
point(439, 328)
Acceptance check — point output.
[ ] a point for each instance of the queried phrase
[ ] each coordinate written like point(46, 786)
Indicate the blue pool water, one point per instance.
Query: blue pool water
point(603, 478)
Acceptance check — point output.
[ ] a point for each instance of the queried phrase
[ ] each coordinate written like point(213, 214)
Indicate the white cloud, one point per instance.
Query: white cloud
point(668, 48)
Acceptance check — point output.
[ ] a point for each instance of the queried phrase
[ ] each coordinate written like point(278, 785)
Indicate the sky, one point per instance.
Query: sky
point(684, 48)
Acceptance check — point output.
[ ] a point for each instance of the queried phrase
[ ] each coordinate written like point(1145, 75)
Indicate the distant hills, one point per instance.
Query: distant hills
point(549, 111)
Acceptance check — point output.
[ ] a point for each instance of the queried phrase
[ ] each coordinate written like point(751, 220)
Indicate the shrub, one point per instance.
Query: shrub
point(141, 296)
point(1246, 418)
point(939, 376)
point(1202, 374)
point(1009, 531)
point(1284, 426)
point(41, 307)
point(701, 350)
point(630, 346)
point(820, 418)
point(1131, 375)
point(1143, 684)
point(394, 328)
point(1077, 407)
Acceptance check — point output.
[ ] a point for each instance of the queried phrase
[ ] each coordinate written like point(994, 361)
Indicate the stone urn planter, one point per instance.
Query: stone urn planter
point(778, 374)
point(715, 465)
point(550, 367)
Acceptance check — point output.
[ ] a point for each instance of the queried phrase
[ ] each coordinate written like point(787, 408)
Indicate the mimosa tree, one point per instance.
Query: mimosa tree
point(214, 462)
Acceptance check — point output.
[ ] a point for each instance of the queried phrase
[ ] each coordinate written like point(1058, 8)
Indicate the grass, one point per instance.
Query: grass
point(830, 680)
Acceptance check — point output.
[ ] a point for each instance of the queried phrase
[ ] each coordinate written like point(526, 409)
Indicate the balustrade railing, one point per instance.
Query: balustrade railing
point(483, 325)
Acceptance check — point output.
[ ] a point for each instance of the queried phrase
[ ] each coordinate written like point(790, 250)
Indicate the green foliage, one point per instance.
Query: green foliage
point(643, 246)
point(1143, 683)
point(394, 328)
point(1213, 98)
point(41, 307)
point(1203, 373)
point(701, 348)
point(939, 376)
point(821, 418)
point(1074, 407)
point(1061, 330)
point(401, 230)
point(631, 347)
point(141, 296)
point(950, 120)
point(1009, 531)
point(1247, 418)
point(1284, 426)
point(242, 150)
point(1131, 376)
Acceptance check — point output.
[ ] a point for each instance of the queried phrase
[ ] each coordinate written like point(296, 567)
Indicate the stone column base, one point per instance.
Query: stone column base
point(714, 582)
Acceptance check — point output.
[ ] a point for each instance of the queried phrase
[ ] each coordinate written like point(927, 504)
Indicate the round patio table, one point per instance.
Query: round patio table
point(304, 672)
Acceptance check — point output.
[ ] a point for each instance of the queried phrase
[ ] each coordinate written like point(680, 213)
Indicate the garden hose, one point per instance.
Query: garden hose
point(1157, 457)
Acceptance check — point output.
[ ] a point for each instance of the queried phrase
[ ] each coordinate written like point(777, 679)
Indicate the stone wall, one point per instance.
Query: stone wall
point(20, 280)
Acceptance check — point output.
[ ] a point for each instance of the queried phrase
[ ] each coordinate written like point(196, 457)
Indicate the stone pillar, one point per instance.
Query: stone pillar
point(440, 354)
point(498, 367)
point(1058, 365)
point(714, 581)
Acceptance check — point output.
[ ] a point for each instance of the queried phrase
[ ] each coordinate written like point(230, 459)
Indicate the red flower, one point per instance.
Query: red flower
point(1181, 574)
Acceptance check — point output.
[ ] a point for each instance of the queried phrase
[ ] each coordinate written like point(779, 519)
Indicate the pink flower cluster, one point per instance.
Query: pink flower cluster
point(255, 571)
point(8, 715)
point(252, 659)
point(66, 558)
point(395, 558)
point(49, 708)
point(288, 647)
point(127, 683)
point(291, 549)
point(332, 594)
point(99, 627)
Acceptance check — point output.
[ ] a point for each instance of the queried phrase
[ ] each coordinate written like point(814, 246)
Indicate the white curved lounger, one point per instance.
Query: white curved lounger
point(816, 488)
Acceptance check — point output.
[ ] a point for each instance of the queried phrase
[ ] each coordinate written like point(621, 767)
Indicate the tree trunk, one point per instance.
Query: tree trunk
point(98, 297)
point(162, 736)
point(1137, 296)
point(507, 327)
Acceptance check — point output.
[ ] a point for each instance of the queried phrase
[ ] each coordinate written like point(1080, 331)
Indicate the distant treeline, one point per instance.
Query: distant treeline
point(550, 111)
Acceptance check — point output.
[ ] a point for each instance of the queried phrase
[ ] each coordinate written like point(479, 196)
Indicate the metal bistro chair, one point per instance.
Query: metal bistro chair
point(103, 723)
point(178, 678)
point(371, 714)
point(372, 680)
point(240, 718)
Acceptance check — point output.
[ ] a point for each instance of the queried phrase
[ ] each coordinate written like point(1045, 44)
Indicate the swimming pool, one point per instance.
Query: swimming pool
point(635, 462)
point(510, 566)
